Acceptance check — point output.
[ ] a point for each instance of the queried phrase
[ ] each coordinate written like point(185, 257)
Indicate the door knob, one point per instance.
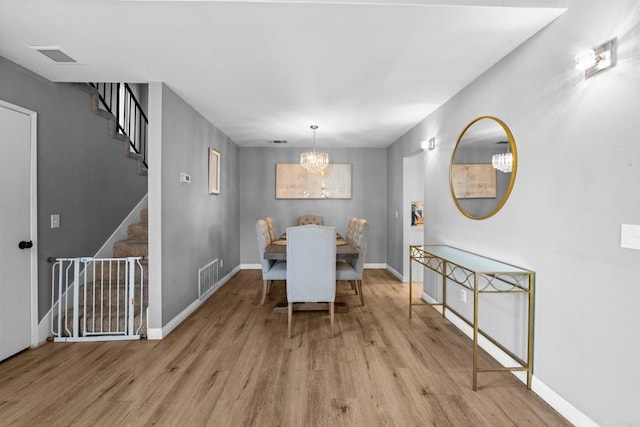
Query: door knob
point(25, 245)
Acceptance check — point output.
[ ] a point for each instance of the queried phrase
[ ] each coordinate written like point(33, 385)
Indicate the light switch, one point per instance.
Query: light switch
point(630, 236)
point(55, 221)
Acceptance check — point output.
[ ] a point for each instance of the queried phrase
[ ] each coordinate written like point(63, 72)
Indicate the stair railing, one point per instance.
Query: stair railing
point(119, 100)
point(97, 299)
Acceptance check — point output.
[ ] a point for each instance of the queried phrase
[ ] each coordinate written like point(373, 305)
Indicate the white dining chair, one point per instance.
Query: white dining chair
point(271, 270)
point(352, 270)
point(311, 267)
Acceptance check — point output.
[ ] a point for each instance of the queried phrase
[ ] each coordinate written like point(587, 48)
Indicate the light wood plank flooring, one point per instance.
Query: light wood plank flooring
point(230, 364)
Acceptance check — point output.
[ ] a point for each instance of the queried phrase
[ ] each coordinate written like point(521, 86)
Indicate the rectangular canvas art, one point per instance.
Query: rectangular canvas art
point(295, 182)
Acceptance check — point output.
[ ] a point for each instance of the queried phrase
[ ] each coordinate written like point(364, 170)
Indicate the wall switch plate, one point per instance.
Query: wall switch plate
point(630, 236)
point(463, 295)
point(55, 221)
point(185, 178)
point(221, 262)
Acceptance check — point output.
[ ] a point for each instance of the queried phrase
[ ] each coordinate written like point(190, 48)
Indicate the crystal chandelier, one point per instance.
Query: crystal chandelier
point(503, 162)
point(314, 161)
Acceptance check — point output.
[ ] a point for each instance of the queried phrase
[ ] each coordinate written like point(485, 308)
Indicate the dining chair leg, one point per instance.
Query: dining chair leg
point(265, 285)
point(289, 313)
point(359, 287)
point(331, 311)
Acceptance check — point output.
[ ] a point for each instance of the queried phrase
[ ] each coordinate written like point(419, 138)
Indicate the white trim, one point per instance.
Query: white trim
point(382, 265)
point(250, 267)
point(33, 220)
point(154, 192)
point(44, 329)
point(120, 233)
point(395, 273)
point(158, 334)
point(557, 402)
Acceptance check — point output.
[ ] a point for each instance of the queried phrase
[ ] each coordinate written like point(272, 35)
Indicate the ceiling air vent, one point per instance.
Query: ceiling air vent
point(54, 53)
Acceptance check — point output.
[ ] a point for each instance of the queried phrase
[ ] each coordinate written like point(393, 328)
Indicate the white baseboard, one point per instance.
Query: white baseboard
point(250, 267)
point(160, 333)
point(375, 265)
point(566, 409)
point(395, 273)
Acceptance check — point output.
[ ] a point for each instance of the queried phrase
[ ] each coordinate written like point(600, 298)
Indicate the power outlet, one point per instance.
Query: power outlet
point(463, 295)
point(221, 263)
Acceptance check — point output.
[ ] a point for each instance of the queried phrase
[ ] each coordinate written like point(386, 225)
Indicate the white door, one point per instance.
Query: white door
point(15, 226)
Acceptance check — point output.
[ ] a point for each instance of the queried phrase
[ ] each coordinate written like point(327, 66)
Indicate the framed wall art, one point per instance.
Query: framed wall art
point(214, 171)
point(295, 182)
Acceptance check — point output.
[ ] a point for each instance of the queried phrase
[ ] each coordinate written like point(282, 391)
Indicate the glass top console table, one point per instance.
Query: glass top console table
point(480, 275)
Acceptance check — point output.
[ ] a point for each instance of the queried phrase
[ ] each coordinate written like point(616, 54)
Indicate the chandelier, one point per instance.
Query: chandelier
point(503, 162)
point(314, 161)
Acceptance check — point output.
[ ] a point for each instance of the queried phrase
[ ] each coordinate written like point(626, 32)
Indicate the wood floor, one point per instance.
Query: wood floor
point(230, 364)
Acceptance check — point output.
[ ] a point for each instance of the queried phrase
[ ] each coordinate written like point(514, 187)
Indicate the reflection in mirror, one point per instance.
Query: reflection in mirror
point(483, 167)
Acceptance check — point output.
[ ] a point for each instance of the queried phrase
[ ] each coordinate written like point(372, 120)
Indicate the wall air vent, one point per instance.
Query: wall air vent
point(278, 141)
point(54, 53)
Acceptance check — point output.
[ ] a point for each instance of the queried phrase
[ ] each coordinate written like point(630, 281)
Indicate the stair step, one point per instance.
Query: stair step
point(144, 216)
point(130, 248)
point(138, 232)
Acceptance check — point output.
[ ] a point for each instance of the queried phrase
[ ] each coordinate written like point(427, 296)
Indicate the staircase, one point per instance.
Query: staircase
point(127, 121)
point(106, 306)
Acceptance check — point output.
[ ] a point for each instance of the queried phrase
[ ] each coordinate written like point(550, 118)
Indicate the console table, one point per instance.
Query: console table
point(480, 275)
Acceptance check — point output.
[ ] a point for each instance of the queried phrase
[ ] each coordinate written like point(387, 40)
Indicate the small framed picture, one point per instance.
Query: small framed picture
point(214, 171)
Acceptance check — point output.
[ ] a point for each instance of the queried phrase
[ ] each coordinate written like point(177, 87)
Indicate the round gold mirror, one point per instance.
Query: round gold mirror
point(483, 167)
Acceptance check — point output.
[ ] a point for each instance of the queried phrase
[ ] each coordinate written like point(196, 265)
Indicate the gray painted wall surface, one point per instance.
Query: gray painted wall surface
point(82, 172)
point(578, 175)
point(369, 196)
point(196, 227)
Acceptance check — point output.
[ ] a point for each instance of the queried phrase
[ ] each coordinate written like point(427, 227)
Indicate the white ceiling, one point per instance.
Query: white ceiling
point(365, 71)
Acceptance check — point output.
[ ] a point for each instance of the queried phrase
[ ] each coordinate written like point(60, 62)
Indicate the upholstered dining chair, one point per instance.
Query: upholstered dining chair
point(352, 270)
point(311, 267)
point(310, 219)
point(272, 228)
point(271, 270)
point(351, 229)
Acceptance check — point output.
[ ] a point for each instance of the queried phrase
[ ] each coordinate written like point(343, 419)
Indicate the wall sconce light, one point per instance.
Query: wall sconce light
point(598, 59)
point(428, 144)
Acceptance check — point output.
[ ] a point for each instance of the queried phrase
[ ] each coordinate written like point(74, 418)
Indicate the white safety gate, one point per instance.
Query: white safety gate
point(97, 299)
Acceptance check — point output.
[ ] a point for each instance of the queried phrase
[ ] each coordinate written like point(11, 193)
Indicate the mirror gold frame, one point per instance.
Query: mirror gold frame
point(504, 196)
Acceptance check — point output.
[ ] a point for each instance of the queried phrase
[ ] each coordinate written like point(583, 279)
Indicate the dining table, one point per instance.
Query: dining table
point(277, 251)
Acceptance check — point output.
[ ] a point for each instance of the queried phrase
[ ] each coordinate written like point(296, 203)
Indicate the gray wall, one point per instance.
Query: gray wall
point(82, 172)
point(196, 227)
point(577, 181)
point(369, 196)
